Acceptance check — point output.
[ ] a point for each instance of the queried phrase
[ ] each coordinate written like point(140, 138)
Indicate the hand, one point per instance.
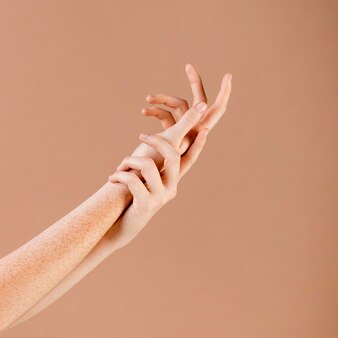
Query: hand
point(180, 110)
point(174, 134)
point(179, 106)
point(152, 190)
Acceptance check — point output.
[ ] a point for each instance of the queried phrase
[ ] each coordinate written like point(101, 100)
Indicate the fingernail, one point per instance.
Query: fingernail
point(143, 136)
point(201, 107)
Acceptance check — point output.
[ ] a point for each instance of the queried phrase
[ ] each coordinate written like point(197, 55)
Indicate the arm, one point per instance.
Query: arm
point(31, 271)
point(113, 239)
point(107, 245)
point(148, 198)
point(34, 269)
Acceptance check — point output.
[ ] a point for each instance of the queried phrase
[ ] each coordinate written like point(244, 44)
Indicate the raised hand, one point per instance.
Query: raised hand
point(176, 107)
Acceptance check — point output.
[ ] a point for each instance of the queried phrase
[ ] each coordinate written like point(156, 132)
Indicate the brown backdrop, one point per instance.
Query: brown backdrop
point(249, 246)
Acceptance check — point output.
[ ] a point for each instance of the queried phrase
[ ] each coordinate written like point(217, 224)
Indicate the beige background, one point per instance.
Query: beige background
point(249, 246)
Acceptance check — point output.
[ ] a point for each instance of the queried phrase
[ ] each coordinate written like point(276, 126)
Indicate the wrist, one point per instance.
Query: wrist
point(144, 150)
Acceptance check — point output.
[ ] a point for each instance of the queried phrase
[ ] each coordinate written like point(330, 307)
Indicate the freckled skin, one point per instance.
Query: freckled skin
point(43, 269)
point(32, 270)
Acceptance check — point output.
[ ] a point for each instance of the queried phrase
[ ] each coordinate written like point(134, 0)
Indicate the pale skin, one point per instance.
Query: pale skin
point(40, 271)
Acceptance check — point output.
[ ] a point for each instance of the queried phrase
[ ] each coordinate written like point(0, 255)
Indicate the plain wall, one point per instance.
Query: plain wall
point(249, 246)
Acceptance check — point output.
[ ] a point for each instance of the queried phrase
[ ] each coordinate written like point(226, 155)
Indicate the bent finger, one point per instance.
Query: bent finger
point(196, 84)
point(188, 120)
point(165, 116)
point(148, 169)
point(179, 105)
point(171, 157)
point(133, 182)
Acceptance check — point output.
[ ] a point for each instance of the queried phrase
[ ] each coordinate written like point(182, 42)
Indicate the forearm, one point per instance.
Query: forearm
point(29, 273)
point(110, 242)
point(104, 248)
point(34, 269)
point(113, 239)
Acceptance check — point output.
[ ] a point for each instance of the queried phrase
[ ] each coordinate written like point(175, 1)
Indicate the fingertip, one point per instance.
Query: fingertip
point(227, 77)
point(143, 136)
point(148, 97)
point(146, 111)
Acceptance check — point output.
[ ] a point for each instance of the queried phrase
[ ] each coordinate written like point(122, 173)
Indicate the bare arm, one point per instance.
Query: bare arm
point(31, 271)
point(107, 245)
point(34, 269)
point(112, 239)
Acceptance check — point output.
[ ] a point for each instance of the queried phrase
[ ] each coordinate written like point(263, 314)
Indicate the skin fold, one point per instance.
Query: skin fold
point(43, 269)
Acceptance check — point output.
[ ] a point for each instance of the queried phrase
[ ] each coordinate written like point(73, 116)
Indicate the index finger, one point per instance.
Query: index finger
point(196, 84)
point(191, 117)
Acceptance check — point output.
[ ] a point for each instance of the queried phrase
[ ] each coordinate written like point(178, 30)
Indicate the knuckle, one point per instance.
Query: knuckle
point(126, 159)
point(157, 139)
point(131, 178)
point(175, 156)
point(190, 119)
point(148, 163)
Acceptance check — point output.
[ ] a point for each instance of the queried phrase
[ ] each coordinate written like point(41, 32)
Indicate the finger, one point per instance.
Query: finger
point(133, 182)
point(165, 116)
point(148, 170)
point(196, 84)
point(190, 157)
point(218, 108)
point(179, 105)
point(171, 157)
point(188, 121)
point(223, 95)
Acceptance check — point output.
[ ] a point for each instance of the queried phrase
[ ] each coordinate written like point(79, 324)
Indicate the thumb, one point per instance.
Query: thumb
point(190, 118)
